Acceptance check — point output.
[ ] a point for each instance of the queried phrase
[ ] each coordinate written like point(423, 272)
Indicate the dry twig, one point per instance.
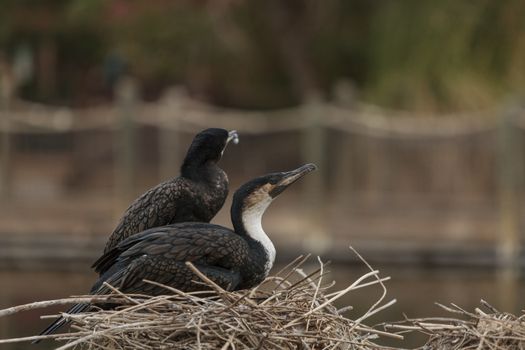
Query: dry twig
point(290, 310)
point(481, 330)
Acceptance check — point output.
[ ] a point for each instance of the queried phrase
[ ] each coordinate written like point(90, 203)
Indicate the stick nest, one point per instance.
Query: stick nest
point(290, 310)
point(484, 329)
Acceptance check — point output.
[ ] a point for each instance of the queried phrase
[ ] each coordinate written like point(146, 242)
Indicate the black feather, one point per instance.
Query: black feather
point(195, 196)
point(232, 259)
point(59, 322)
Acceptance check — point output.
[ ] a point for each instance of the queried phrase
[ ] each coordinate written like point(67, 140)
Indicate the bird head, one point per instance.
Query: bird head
point(208, 146)
point(255, 195)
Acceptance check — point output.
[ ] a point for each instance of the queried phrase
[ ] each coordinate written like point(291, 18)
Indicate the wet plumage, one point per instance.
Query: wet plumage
point(196, 195)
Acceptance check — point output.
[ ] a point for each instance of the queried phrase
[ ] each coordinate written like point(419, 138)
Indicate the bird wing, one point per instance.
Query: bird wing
point(156, 207)
point(110, 256)
point(161, 256)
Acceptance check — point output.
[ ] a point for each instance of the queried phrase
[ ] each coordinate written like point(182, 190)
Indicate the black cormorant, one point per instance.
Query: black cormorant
point(237, 259)
point(196, 195)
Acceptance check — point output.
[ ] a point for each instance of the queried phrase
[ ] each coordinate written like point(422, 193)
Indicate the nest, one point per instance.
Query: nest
point(290, 310)
point(484, 329)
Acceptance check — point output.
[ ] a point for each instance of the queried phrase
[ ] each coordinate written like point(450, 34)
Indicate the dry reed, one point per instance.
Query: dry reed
point(484, 329)
point(290, 310)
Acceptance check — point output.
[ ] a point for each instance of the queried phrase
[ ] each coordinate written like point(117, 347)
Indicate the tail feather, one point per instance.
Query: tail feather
point(59, 322)
point(112, 277)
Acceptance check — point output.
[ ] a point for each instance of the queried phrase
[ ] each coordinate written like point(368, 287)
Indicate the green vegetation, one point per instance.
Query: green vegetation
point(445, 55)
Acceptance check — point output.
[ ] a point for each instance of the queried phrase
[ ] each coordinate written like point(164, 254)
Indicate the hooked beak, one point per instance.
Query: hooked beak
point(233, 136)
point(289, 177)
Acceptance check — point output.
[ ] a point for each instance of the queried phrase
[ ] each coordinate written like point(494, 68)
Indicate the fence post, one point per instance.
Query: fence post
point(510, 157)
point(313, 149)
point(6, 94)
point(169, 144)
point(126, 93)
point(345, 99)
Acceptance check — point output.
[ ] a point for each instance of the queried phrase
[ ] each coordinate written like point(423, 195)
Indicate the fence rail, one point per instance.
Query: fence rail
point(176, 112)
point(192, 115)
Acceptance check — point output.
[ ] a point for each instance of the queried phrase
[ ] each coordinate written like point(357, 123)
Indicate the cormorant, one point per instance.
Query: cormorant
point(196, 195)
point(234, 259)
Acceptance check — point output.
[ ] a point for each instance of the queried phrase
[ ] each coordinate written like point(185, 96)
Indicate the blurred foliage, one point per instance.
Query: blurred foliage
point(447, 54)
point(444, 55)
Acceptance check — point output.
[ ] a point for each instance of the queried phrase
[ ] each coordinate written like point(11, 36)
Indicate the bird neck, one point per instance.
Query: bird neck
point(199, 169)
point(247, 222)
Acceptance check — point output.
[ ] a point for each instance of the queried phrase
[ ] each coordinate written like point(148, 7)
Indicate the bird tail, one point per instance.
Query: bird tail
point(59, 322)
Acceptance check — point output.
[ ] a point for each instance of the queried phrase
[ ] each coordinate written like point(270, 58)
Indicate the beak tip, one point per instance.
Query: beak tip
point(310, 167)
point(233, 136)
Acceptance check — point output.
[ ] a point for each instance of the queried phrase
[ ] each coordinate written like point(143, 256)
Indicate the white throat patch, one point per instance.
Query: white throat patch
point(252, 220)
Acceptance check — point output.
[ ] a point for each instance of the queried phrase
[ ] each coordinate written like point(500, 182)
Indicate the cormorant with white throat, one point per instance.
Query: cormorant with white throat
point(234, 259)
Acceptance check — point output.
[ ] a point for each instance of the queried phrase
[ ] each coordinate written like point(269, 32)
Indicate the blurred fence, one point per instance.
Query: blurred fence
point(386, 179)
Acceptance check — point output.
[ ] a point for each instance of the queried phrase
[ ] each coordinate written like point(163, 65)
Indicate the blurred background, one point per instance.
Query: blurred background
point(411, 109)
